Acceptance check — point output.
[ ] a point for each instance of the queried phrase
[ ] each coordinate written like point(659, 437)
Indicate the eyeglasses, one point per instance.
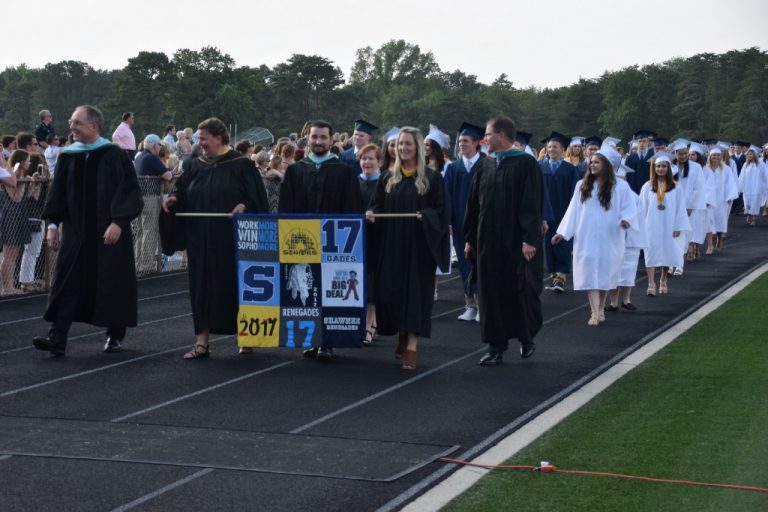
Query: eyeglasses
point(75, 122)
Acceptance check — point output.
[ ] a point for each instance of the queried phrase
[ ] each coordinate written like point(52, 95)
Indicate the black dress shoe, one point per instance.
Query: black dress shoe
point(311, 353)
point(491, 358)
point(113, 344)
point(629, 306)
point(527, 351)
point(325, 354)
point(611, 308)
point(54, 346)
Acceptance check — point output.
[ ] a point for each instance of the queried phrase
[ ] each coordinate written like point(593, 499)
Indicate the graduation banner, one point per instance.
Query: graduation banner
point(301, 280)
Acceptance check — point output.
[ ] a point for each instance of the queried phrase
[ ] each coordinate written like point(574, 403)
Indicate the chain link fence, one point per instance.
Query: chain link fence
point(26, 262)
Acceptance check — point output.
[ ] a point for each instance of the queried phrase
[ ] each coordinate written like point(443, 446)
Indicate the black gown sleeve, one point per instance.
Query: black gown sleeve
point(127, 202)
point(434, 220)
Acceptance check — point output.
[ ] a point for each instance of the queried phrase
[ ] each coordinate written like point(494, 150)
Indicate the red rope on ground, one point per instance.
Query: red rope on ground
point(555, 469)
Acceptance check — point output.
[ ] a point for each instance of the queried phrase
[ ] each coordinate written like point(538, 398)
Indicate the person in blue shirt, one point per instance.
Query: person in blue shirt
point(153, 175)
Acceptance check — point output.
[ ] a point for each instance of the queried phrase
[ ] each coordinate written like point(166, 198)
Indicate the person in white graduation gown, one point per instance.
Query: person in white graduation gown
point(699, 217)
point(635, 242)
point(724, 191)
point(692, 183)
point(753, 184)
point(662, 206)
point(600, 211)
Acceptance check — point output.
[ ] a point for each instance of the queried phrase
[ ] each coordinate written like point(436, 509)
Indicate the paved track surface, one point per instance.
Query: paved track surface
point(273, 431)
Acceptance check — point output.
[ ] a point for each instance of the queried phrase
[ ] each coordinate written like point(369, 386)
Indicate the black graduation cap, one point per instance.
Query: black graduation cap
point(523, 137)
point(364, 126)
point(471, 130)
point(709, 142)
point(742, 143)
point(593, 140)
point(564, 140)
point(660, 141)
point(644, 134)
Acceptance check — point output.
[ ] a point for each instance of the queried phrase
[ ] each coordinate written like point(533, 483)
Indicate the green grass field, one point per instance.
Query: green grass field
point(698, 410)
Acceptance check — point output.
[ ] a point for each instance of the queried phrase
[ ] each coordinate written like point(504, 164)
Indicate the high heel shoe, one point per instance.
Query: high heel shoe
point(651, 292)
point(593, 321)
point(663, 288)
point(409, 360)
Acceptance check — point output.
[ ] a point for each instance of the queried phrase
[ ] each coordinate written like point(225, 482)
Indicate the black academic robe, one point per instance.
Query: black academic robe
point(367, 191)
point(214, 187)
point(331, 187)
point(504, 210)
point(411, 249)
point(87, 195)
point(642, 168)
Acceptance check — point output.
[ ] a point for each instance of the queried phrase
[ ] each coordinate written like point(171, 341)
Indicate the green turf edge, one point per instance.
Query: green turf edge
point(697, 410)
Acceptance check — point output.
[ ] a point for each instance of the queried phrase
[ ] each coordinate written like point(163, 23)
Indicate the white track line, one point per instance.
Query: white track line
point(464, 478)
point(201, 391)
point(162, 490)
point(99, 369)
point(101, 332)
point(139, 300)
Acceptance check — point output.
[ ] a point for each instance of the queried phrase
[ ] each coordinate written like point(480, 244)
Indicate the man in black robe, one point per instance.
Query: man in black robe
point(320, 183)
point(94, 197)
point(502, 231)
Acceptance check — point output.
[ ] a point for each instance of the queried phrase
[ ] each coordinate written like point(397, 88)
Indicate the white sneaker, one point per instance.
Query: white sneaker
point(469, 315)
point(477, 316)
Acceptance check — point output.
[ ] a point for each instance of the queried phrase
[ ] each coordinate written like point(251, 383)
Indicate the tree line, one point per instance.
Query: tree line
point(705, 96)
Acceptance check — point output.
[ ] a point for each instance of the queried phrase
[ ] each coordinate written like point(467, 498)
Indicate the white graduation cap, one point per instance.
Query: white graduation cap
point(756, 149)
point(715, 150)
point(765, 146)
point(392, 134)
point(613, 156)
point(634, 143)
point(661, 156)
point(680, 139)
point(724, 146)
point(436, 135)
point(577, 141)
point(678, 145)
point(611, 141)
point(698, 148)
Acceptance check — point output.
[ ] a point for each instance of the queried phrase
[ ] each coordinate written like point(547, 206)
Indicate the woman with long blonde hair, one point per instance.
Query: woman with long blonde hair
point(724, 191)
point(412, 245)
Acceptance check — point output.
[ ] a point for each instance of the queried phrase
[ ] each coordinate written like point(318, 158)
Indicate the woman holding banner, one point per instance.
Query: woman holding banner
point(220, 181)
point(414, 241)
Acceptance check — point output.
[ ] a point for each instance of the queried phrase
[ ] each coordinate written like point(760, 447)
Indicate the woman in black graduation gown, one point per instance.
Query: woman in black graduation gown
point(411, 248)
point(220, 181)
point(370, 158)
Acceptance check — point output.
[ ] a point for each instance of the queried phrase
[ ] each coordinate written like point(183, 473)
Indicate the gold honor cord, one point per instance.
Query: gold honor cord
point(660, 193)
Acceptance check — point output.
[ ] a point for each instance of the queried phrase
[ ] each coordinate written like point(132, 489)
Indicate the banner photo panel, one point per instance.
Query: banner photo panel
point(301, 280)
